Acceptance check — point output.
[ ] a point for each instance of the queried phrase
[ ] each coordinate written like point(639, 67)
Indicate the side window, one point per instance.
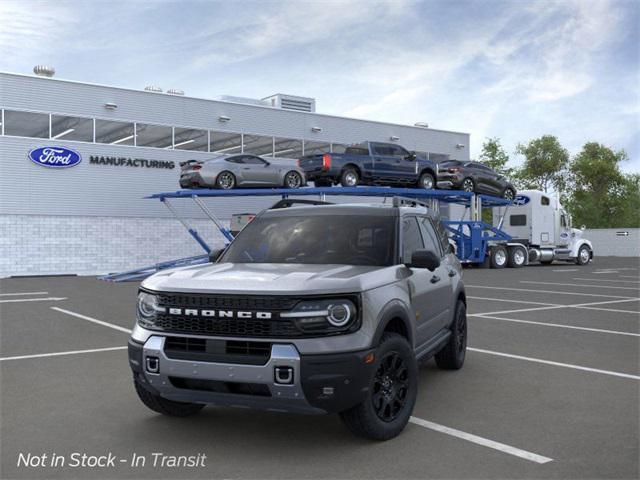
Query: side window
point(235, 159)
point(251, 160)
point(563, 220)
point(517, 220)
point(442, 233)
point(431, 240)
point(411, 238)
point(398, 151)
point(544, 201)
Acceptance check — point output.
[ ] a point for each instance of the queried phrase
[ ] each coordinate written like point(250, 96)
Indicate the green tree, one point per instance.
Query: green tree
point(545, 164)
point(600, 195)
point(494, 156)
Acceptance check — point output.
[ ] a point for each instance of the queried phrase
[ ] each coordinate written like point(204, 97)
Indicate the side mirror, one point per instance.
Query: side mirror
point(583, 227)
point(411, 156)
point(215, 254)
point(424, 259)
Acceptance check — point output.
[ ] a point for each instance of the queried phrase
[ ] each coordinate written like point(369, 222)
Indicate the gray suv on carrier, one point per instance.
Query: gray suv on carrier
point(311, 309)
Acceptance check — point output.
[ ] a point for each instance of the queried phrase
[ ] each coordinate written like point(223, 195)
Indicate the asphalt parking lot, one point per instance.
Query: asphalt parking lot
point(550, 389)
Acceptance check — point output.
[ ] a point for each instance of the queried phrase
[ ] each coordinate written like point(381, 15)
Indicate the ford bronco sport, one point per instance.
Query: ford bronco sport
point(310, 309)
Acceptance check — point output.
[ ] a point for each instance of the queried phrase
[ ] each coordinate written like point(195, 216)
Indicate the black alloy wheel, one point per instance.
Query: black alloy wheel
point(390, 387)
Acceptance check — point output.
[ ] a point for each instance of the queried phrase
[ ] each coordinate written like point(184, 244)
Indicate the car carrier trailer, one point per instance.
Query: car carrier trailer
point(475, 241)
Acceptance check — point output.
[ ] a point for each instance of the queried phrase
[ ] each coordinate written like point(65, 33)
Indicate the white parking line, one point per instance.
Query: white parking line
point(23, 293)
point(559, 325)
point(485, 442)
point(48, 299)
point(567, 270)
point(551, 306)
point(628, 276)
point(604, 280)
point(513, 301)
point(555, 364)
point(531, 290)
point(93, 320)
point(57, 354)
point(581, 285)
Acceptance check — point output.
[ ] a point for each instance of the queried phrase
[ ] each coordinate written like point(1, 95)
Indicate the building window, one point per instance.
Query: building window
point(191, 139)
point(71, 128)
point(156, 136)
point(114, 133)
point(313, 148)
point(26, 124)
point(287, 148)
point(258, 145)
point(225, 143)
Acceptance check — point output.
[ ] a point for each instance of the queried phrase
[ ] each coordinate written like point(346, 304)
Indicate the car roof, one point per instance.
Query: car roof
point(369, 209)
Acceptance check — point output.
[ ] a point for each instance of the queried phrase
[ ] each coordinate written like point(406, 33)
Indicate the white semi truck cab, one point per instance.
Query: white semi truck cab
point(538, 223)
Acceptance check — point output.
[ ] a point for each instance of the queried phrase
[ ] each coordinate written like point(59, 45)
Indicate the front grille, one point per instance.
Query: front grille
point(230, 302)
point(218, 386)
point(236, 327)
point(185, 344)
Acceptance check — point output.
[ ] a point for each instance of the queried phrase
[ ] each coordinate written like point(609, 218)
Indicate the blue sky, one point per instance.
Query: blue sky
point(514, 70)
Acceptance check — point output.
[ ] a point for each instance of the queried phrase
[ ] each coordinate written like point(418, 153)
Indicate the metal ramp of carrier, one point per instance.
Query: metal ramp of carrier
point(472, 237)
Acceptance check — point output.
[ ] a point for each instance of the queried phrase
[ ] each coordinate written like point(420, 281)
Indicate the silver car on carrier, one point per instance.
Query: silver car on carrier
point(241, 170)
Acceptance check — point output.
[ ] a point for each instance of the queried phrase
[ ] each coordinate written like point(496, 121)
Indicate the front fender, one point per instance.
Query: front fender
point(579, 243)
point(395, 309)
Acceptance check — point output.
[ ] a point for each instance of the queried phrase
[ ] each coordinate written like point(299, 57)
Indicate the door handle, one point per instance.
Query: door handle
point(452, 273)
point(435, 279)
point(247, 168)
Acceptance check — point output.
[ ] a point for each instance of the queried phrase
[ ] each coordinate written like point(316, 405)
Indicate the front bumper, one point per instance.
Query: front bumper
point(318, 383)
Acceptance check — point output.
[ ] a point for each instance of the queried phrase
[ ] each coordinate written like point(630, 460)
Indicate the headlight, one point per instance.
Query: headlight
point(147, 309)
point(324, 315)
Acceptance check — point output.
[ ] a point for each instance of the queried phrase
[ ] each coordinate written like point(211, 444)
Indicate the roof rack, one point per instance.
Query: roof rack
point(290, 202)
point(410, 202)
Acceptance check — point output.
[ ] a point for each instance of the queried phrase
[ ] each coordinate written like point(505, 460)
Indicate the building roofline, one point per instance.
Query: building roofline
point(231, 103)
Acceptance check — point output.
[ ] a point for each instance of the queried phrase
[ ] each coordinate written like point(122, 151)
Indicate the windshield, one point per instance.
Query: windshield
point(321, 239)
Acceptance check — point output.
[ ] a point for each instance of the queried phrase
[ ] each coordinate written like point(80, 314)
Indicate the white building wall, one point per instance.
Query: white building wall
point(612, 242)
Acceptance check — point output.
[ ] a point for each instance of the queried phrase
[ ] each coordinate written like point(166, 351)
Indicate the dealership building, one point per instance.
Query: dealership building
point(92, 217)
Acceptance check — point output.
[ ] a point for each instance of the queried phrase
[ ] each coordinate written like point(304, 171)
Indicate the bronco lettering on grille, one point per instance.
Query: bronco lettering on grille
point(186, 312)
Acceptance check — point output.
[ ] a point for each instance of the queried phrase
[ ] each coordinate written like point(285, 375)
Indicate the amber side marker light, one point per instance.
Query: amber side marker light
point(370, 358)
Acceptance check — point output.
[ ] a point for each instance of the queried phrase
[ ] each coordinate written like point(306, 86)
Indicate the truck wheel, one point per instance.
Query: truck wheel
point(584, 255)
point(226, 180)
point(498, 256)
point(517, 257)
point(164, 406)
point(451, 357)
point(427, 181)
point(392, 392)
point(349, 178)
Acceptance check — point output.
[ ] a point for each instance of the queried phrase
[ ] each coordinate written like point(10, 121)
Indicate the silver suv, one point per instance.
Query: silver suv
point(311, 309)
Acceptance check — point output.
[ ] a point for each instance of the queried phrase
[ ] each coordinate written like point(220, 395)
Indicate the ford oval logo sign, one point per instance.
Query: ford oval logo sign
point(55, 157)
point(521, 200)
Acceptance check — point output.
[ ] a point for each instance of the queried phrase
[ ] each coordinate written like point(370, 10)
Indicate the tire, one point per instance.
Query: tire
point(292, 179)
point(498, 256)
point(452, 356)
point(164, 406)
point(225, 180)
point(517, 257)
point(508, 194)
point(468, 185)
point(427, 181)
point(392, 393)
point(349, 177)
point(584, 255)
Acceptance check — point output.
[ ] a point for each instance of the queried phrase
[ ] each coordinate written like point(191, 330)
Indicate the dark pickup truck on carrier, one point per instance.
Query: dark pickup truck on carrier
point(370, 163)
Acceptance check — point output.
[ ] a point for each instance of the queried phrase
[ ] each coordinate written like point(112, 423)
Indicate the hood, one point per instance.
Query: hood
point(272, 278)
